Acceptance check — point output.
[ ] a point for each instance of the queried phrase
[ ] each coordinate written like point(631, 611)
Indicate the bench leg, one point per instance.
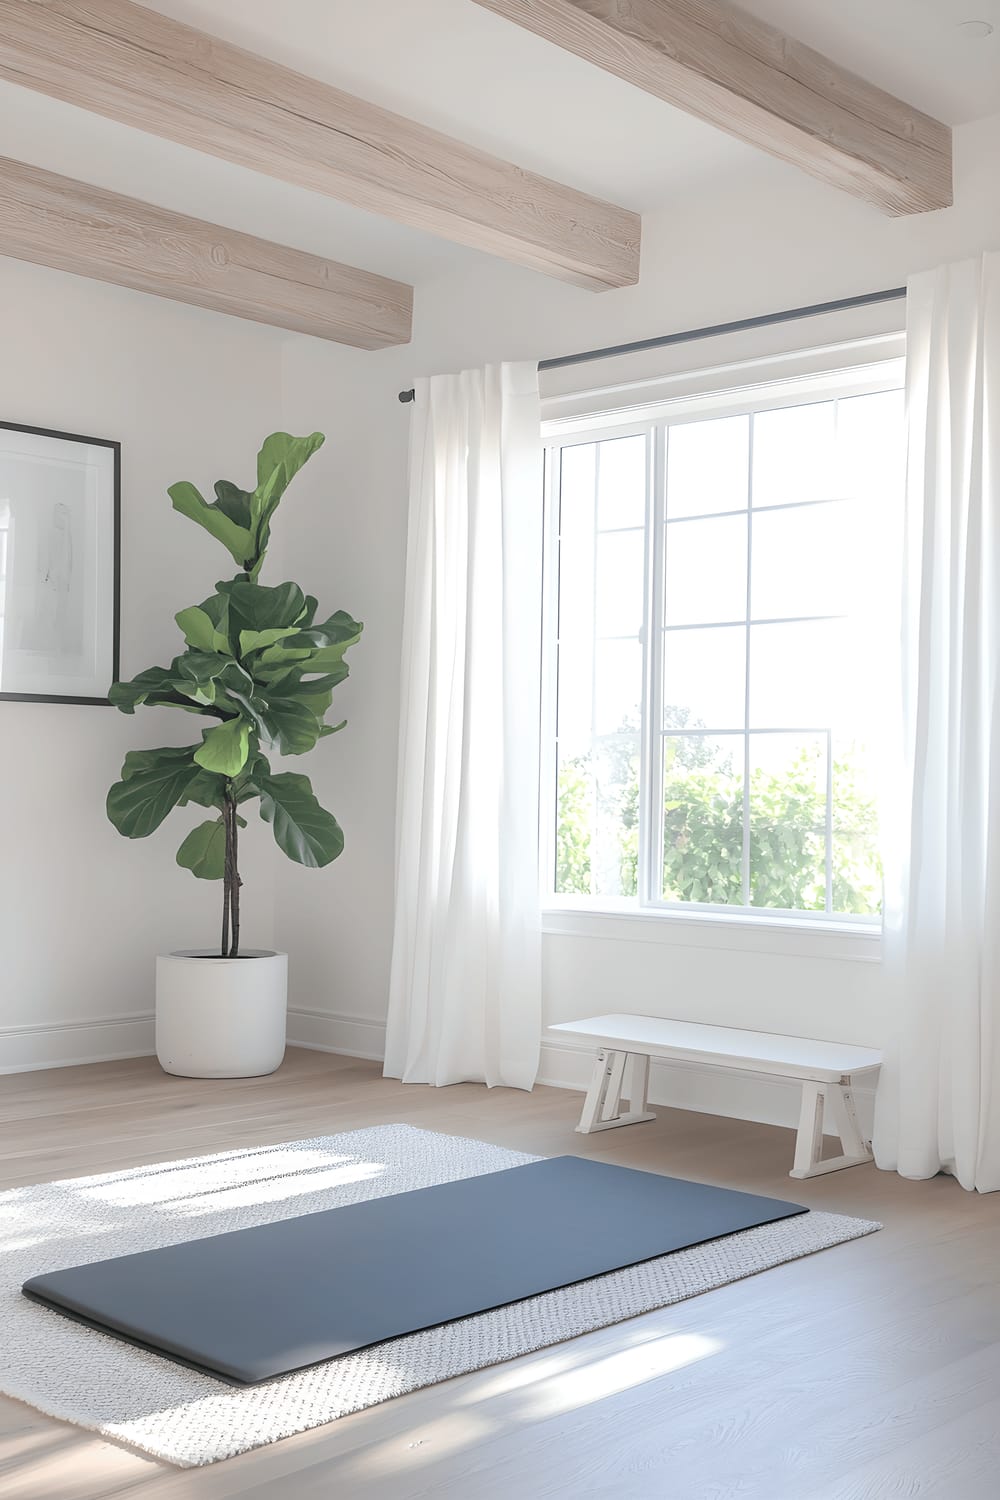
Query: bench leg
point(809, 1161)
point(602, 1108)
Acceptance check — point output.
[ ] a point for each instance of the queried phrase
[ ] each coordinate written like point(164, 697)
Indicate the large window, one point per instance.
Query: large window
point(718, 584)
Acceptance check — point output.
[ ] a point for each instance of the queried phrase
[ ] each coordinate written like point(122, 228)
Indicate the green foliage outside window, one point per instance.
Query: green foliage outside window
point(703, 827)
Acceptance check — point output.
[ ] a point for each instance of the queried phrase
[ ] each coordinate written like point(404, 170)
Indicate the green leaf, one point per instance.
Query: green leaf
point(319, 649)
point(303, 830)
point(203, 852)
point(233, 502)
point(280, 655)
point(321, 684)
point(250, 708)
point(197, 627)
point(188, 500)
point(331, 639)
point(257, 640)
point(206, 790)
point(225, 749)
point(201, 666)
point(339, 629)
point(279, 460)
point(282, 451)
point(290, 724)
point(155, 686)
point(284, 683)
point(254, 606)
point(126, 696)
point(216, 607)
point(328, 658)
point(153, 782)
point(318, 703)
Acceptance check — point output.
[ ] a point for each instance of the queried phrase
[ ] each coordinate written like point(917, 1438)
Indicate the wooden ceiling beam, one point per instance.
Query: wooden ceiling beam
point(143, 69)
point(718, 62)
point(56, 221)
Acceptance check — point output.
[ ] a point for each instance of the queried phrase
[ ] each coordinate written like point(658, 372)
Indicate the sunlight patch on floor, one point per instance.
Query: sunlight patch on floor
point(594, 1380)
point(531, 1369)
point(215, 1186)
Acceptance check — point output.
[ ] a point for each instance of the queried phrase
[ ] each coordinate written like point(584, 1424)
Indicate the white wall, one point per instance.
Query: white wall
point(82, 910)
point(770, 240)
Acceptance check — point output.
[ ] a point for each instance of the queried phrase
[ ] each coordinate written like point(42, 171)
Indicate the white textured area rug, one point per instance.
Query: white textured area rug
point(98, 1382)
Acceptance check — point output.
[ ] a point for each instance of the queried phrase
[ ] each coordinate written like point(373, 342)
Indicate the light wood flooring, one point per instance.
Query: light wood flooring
point(870, 1370)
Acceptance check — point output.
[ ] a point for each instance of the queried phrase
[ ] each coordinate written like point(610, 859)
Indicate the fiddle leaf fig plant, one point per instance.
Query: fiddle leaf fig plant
point(262, 670)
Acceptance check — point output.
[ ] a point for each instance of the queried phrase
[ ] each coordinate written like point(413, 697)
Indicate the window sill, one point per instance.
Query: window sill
point(736, 931)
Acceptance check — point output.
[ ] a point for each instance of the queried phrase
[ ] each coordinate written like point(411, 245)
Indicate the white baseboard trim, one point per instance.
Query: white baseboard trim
point(698, 1087)
point(67, 1044)
point(324, 1031)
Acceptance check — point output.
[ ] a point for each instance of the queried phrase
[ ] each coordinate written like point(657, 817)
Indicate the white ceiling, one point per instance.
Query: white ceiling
point(457, 67)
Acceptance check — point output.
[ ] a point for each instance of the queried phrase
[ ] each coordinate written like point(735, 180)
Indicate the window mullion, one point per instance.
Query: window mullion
point(829, 821)
point(745, 867)
point(595, 554)
point(549, 765)
point(651, 748)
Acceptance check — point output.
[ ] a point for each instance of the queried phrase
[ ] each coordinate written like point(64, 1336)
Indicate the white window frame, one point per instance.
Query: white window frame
point(751, 389)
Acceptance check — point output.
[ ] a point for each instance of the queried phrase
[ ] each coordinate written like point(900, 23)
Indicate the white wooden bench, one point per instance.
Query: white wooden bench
point(826, 1071)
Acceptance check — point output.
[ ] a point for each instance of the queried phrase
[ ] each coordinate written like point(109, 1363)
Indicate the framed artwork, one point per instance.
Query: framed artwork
point(60, 564)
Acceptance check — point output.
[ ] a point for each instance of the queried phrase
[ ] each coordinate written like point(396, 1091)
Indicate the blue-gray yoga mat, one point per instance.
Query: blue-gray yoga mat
point(257, 1303)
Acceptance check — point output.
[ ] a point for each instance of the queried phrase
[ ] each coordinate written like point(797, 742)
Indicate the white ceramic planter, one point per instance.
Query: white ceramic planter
point(221, 1017)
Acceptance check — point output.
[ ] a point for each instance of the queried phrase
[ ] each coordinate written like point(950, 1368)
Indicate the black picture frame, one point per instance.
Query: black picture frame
point(114, 446)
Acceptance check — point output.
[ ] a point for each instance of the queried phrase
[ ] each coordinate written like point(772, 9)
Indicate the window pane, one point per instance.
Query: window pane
point(870, 445)
point(704, 678)
point(706, 572)
point(600, 690)
point(793, 454)
point(597, 819)
point(788, 821)
point(576, 545)
point(802, 562)
point(577, 482)
point(575, 703)
point(619, 601)
point(621, 482)
point(707, 466)
point(617, 686)
point(801, 675)
point(857, 865)
point(703, 818)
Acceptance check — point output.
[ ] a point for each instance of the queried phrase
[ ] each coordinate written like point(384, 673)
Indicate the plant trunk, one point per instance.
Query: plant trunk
point(230, 881)
point(234, 890)
point(224, 951)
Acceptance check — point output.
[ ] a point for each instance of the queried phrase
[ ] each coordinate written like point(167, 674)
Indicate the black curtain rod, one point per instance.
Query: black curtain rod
point(766, 320)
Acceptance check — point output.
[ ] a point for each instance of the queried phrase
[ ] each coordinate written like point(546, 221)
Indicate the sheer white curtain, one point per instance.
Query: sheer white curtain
point(938, 1106)
point(465, 992)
